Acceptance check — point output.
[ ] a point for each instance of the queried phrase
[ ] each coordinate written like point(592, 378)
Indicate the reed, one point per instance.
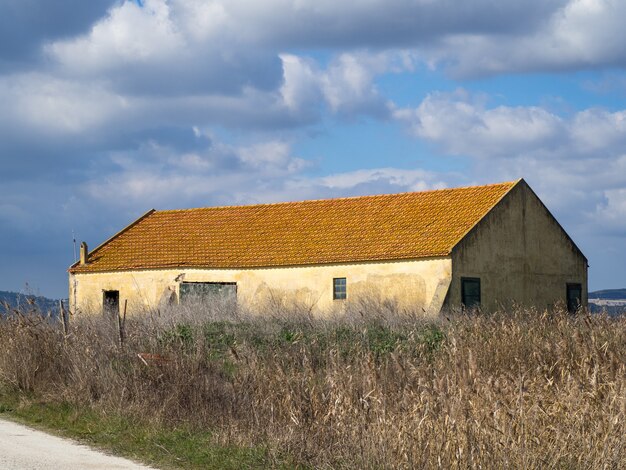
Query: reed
point(516, 389)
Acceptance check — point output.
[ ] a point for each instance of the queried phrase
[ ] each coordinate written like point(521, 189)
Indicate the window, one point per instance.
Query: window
point(111, 303)
point(574, 296)
point(339, 288)
point(208, 292)
point(470, 292)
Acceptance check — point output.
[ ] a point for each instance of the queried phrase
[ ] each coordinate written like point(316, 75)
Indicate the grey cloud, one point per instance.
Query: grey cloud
point(242, 38)
point(580, 35)
point(395, 23)
point(206, 72)
point(26, 24)
point(157, 43)
point(52, 127)
point(201, 70)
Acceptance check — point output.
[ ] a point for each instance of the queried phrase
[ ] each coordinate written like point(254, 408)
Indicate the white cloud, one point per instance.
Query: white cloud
point(301, 82)
point(578, 34)
point(272, 154)
point(46, 106)
point(396, 179)
point(595, 130)
point(220, 173)
point(472, 39)
point(201, 19)
point(129, 34)
point(51, 105)
point(576, 163)
point(346, 85)
point(462, 124)
point(229, 54)
point(613, 212)
point(157, 174)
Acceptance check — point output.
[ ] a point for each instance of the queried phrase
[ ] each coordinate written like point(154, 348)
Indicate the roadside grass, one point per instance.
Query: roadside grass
point(152, 444)
point(197, 388)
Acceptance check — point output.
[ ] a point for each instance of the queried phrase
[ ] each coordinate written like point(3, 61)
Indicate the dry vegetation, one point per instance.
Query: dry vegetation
point(514, 390)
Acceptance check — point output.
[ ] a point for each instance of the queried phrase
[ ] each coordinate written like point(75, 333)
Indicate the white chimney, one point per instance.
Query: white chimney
point(84, 253)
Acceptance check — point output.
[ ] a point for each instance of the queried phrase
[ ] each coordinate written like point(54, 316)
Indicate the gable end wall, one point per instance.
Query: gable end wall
point(521, 255)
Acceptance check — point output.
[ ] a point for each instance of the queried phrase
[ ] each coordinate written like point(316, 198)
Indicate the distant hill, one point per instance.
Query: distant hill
point(608, 294)
point(611, 301)
point(26, 302)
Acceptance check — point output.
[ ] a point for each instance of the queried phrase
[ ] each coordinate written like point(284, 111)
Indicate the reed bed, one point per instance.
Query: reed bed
point(368, 389)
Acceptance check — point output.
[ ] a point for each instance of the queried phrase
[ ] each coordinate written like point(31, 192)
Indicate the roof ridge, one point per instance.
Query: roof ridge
point(343, 198)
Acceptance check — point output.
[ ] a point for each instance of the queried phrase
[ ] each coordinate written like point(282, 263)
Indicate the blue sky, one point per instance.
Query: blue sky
point(112, 107)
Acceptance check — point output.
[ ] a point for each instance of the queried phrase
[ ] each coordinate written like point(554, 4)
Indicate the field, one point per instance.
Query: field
point(213, 388)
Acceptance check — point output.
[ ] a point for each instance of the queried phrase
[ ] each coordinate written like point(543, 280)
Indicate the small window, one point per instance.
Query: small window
point(339, 288)
point(574, 296)
point(470, 292)
point(111, 303)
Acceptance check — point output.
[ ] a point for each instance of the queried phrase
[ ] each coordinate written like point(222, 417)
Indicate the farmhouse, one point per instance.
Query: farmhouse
point(482, 246)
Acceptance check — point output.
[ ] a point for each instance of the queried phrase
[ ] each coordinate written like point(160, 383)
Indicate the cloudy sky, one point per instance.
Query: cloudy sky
point(112, 107)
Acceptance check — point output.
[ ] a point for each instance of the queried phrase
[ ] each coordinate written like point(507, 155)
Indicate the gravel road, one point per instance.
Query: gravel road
point(26, 449)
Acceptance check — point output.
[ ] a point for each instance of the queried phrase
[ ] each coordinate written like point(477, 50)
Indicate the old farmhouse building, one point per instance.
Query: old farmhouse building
point(483, 246)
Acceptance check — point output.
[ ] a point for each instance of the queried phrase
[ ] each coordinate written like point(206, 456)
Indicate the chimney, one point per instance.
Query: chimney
point(84, 253)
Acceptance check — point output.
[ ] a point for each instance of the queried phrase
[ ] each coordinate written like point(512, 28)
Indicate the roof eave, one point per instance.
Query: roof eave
point(441, 255)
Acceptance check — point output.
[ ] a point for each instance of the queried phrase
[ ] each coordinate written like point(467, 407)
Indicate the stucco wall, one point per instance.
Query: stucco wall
point(414, 285)
point(520, 254)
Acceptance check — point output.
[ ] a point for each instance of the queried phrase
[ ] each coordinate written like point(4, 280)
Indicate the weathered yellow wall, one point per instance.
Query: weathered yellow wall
point(520, 254)
point(414, 285)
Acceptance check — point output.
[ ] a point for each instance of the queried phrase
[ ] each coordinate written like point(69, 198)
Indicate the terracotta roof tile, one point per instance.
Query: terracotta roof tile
point(385, 227)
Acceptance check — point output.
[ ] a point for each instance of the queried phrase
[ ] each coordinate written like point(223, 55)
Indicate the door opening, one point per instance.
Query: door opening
point(574, 296)
point(111, 303)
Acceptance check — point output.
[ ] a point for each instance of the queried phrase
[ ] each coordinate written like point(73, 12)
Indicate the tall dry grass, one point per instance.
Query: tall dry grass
point(517, 389)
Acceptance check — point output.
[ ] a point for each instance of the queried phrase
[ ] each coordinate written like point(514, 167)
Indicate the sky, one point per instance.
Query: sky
point(109, 108)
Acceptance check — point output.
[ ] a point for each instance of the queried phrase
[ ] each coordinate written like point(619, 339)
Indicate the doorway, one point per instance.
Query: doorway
point(111, 303)
point(574, 296)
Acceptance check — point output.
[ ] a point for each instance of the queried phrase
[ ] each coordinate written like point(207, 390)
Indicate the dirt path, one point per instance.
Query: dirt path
point(26, 449)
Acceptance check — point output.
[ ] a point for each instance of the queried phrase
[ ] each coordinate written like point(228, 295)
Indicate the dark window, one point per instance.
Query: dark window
point(470, 292)
point(339, 288)
point(111, 302)
point(574, 296)
point(208, 292)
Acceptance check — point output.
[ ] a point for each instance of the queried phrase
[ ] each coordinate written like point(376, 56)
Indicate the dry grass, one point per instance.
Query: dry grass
point(513, 390)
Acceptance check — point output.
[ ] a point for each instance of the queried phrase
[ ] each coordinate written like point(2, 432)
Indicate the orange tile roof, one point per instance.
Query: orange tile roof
point(344, 230)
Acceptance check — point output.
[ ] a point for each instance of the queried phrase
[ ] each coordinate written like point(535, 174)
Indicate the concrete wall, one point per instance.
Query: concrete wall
point(520, 254)
point(414, 285)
